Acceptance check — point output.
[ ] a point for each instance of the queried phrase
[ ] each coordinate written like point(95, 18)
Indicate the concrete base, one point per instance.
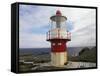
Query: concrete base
point(58, 59)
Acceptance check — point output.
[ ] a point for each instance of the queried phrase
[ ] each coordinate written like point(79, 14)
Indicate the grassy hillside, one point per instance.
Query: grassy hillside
point(86, 54)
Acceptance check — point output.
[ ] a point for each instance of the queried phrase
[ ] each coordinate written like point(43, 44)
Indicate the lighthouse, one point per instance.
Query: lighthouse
point(58, 35)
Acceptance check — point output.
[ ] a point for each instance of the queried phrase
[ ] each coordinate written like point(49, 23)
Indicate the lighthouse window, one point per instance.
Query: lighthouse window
point(53, 44)
point(59, 43)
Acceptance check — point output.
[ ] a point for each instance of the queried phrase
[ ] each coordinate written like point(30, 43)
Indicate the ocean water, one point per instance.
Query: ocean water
point(72, 51)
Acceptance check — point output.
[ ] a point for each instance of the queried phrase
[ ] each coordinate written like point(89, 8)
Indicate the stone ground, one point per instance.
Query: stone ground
point(47, 66)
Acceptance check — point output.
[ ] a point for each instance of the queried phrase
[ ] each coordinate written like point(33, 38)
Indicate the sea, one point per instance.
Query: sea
point(72, 51)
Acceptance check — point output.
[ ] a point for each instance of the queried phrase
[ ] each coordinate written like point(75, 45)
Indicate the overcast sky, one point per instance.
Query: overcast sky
point(34, 22)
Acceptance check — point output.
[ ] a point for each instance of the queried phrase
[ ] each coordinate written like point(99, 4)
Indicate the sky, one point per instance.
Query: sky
point(34, 22)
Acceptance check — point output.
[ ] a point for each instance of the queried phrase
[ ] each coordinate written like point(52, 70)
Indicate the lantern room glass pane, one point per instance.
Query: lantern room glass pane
point(61, 26)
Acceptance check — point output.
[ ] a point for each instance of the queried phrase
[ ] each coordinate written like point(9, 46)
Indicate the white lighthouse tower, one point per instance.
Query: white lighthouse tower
point(58, 35)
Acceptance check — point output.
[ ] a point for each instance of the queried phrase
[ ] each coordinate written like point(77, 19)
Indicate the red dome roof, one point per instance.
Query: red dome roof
point(58, 12)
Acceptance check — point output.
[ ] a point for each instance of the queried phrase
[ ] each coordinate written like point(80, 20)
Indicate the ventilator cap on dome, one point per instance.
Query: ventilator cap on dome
point(58, 13)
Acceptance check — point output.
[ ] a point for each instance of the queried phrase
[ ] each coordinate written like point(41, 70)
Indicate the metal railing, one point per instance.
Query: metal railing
point(58, 36)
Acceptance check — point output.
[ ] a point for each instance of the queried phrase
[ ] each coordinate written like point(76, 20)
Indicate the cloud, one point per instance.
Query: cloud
point(33, 41)
point(84, 33)
point(34, 22)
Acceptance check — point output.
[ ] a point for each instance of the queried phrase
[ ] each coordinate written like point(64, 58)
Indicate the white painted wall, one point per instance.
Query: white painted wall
point(58, 58)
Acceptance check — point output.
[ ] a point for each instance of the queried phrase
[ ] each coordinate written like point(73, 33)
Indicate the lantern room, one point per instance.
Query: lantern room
point(58, 21)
